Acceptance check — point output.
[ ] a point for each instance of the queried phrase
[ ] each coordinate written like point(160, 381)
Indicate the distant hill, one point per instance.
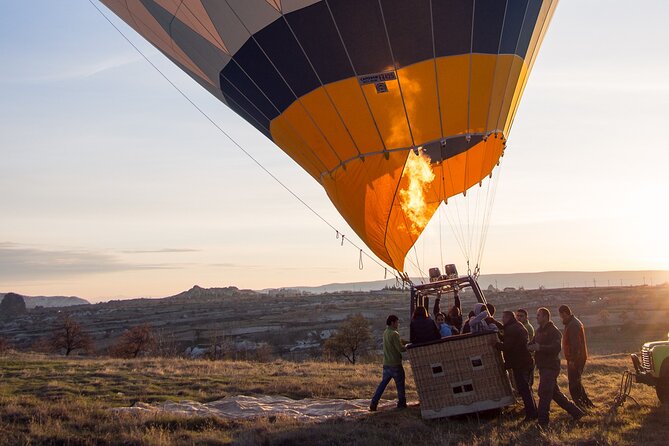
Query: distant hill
point(51, 301)
point(199, 293)
point(547, 279)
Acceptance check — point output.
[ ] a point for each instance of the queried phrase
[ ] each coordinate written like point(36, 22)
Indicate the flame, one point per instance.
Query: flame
point(412, 199)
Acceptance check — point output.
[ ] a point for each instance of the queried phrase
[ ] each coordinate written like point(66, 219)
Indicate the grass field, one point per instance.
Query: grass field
point(52, 400)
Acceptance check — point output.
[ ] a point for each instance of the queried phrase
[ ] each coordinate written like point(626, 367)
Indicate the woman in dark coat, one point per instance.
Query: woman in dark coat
point(422, 328)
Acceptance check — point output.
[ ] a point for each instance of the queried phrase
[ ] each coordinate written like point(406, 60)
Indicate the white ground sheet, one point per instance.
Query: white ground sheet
point(236, 407)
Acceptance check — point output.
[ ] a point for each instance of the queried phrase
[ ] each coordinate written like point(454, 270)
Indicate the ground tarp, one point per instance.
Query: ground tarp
point(238, 407)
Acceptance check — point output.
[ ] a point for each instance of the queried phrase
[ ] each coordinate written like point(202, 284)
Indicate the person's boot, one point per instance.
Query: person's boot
point(578, 415)
point(373, 406)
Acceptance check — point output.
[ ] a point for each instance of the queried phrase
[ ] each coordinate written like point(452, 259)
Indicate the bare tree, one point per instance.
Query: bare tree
point(138, 339)
point(351, 339)
point(68, 336)
point(166, 344)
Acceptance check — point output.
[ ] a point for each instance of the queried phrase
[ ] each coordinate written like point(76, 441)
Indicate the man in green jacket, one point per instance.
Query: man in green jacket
point(392, 364)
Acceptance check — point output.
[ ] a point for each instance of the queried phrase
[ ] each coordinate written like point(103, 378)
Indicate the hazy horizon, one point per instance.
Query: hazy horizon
point(531, 280)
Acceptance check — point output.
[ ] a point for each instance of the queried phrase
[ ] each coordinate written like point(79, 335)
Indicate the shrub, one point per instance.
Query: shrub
point(351, 339)
point(135, 341)
point(68, 336)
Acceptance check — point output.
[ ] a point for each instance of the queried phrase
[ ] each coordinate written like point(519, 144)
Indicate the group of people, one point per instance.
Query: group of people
point(522, 346)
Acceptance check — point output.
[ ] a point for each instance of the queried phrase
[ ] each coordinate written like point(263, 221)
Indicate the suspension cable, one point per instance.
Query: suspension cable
point(236, 144)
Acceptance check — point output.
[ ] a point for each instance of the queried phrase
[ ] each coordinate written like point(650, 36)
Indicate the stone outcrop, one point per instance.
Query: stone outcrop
point(12, 306)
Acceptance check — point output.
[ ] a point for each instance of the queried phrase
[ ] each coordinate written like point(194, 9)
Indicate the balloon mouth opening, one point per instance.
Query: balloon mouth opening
point(445, 148)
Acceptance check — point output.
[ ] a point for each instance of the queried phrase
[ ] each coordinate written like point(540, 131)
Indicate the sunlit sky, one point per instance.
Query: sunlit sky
point(112, 185)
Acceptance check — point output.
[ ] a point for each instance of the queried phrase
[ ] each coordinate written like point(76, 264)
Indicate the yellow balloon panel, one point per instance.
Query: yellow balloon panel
point(388, 111)
point(320, 107)
point(453, 74)
point(419, 90)
point(354, 111)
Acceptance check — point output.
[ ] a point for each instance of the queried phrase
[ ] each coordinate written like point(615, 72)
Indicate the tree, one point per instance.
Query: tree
point(138, 339)
point(68, 336)
point(351, 339)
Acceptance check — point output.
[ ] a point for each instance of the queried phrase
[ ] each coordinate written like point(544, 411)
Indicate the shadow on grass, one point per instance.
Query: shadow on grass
point(652, 427)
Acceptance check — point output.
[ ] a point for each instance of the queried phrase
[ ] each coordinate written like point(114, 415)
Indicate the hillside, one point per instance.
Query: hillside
point(546, 279)
point(50, 301)
point(294, 325)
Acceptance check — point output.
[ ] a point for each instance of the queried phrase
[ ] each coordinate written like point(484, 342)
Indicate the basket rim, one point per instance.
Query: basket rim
point(452, 338)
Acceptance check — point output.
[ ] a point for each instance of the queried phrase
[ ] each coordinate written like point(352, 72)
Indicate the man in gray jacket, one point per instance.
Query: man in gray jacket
point(547, 346)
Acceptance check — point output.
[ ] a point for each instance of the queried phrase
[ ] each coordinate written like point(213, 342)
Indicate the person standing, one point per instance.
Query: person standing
point(547, 346)
point(521, 315)
point(392, 364)
point(519, 359)
point(576, 353)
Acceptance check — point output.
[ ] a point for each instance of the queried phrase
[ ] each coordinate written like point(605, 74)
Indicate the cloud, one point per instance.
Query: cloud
point(232, 265)
point(69, 72)
point(160, 251)
point(20, 262)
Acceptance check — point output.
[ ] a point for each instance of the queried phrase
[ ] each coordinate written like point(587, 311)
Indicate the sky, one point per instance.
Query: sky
point(112, 185)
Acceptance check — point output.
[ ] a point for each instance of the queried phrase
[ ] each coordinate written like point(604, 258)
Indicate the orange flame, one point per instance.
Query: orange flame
point(412, 199)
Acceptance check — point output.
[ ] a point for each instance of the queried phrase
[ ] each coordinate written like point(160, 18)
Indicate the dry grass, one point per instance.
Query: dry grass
point(46, 400)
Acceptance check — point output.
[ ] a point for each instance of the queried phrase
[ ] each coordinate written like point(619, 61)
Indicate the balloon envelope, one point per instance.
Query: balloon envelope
point(393, 106)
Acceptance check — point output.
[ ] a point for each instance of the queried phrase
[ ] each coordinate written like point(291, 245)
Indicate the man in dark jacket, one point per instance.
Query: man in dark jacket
point(547, 345)
point(518, 358)
point(575, 352)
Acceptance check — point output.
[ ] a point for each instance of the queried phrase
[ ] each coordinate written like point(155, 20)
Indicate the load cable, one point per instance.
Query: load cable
point(231, 139)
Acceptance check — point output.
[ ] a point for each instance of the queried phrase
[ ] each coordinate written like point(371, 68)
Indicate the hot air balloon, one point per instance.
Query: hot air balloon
point(393, 106)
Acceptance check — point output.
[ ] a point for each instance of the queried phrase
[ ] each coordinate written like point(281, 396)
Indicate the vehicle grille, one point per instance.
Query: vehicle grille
point(646, 360)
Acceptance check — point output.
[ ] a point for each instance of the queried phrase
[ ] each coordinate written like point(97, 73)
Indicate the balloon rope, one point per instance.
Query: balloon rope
point(233, 141)
point(441, 247)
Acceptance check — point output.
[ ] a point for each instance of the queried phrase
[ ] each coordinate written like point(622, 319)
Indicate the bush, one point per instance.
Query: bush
point(135, 341)
point(351, 340)
point(68, 336)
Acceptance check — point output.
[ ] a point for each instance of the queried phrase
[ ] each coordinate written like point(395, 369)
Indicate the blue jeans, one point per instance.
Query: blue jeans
point(395, 372)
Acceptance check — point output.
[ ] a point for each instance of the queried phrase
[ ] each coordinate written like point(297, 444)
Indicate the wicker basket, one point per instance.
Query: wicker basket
point(458, 375)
